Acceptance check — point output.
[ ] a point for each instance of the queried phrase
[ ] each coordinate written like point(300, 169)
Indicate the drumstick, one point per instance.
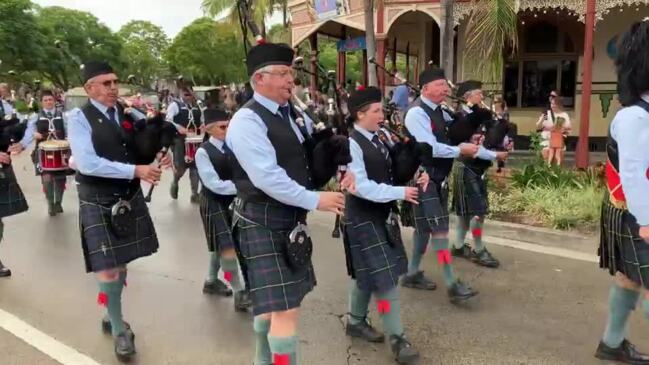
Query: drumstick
point(147, 198)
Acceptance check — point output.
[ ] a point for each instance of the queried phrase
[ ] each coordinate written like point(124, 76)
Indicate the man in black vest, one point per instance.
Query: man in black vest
point(274, 179)
point(217, 193)
point(428, 124)
point(115, 224)
point(47, 124)
point(187, 117)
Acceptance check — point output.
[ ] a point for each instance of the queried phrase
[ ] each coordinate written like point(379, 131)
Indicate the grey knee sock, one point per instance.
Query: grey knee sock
point(231, 273)
point(262, 348)
point(621, 302)
point(389, 308)
point(359, 300)
point(284, 350)
point(419, 244)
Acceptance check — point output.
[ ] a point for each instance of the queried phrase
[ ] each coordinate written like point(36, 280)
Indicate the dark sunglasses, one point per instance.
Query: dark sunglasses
point(109, 83)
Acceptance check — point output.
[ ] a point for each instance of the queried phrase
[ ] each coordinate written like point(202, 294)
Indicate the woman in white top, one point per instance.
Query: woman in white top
point(547, 123)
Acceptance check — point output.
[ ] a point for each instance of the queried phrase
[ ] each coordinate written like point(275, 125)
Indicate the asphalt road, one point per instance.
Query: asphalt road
point(536, 309)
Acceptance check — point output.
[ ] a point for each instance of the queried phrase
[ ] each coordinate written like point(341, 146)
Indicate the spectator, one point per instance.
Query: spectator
point(555, 126)
point(401, 93)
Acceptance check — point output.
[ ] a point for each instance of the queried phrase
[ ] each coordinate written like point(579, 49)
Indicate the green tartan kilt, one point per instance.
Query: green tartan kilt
point(469, 192)
point(12, 200)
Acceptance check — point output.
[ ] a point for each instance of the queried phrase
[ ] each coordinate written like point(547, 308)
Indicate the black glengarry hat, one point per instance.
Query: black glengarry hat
point(266, 54)
point(467, 86)
point(361, 97)
point(212, 115)
point(92, 69)
point(430, 75)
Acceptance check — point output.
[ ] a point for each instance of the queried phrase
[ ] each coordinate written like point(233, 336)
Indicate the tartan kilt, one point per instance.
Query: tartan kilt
point(12, 200)
point(470, 197)
point(371, 260)
point(102, 250)
point(262, 230)
point(178, 153)
point(621, 249)
point(431, 214)
point(217, 223)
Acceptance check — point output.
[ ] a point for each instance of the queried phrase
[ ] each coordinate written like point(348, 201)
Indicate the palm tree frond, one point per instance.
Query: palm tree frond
point(214, 8)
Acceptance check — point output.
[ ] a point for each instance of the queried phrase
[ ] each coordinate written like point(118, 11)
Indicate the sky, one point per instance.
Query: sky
point(171, 15)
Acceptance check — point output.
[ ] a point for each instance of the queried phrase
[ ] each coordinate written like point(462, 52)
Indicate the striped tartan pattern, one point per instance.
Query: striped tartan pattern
point(375, 265)
point(621, 249)
point(216, 223)
point(470, 197)
point(102, 249)
point(431, 215)
point(262, 232)
point(12, 200)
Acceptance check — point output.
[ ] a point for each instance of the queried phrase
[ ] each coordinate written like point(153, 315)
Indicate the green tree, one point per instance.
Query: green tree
point(20, 42)
point(279, 34)
point(144, 44)
point(72, 37)
point(255, 12)
point(208, 52)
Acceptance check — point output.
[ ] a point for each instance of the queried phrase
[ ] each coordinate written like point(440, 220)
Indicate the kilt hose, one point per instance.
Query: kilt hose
point(261, 230)
point(621, 249)
point(431, 214)
point(372, 261)
point(102, 249)
point(469, 191)
point(217, 222)
point(12, 200)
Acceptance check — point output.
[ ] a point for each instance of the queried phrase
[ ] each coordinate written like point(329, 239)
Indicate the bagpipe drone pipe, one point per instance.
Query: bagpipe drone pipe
point(12, 130)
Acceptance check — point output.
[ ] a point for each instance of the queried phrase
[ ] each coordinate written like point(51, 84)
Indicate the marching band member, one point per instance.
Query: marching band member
point(375, 253)
point(470, 198)
point(624, 241)
point(186, 116)
point(48, 123)
point(274, 180)
point(217, 193)
point(428, 124)
point(115, 224)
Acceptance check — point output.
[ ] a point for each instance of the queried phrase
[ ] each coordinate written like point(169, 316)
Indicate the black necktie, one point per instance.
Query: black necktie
point(111, 114)
point(380, 146)
point(285, 113)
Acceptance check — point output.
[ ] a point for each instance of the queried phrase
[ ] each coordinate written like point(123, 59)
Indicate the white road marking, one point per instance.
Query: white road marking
point(42, 342)
point(548, 250)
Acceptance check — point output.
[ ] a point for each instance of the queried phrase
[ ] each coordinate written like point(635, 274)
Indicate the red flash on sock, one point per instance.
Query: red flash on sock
point(281, 359)
point(102, 299)
point(227, 276)
point(383, 306)
point(477, 232)
point(444, 257)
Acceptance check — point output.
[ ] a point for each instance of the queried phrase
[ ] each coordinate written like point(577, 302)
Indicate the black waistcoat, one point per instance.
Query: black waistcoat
point(221, 165)
point(477, 165)
point(379, 170)
point(291, 155)
point(112, 142)
point(438, 168)
point(43, 125)
point(182, 118)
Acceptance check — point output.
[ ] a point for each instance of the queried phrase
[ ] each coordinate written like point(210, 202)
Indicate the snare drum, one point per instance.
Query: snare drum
point(192, 143)
point(54, 155)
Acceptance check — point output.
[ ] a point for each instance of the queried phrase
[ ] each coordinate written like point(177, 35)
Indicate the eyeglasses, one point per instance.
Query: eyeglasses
point(222, 127)
point(108, 83)
point(283, 74)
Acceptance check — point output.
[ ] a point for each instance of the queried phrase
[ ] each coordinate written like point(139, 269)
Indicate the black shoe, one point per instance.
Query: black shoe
point(365, 331)
point(418, 281)
point(125, 346)
point(194, 198)
point(51, 210)
point(4, 271)
point(107, 327)
point(173, 191)
point(484, 258)
point(625, 353)
point(242, 301)
point(58, 208)
point(402, 350)
point(216, 287)
point(459, 292)
point(464, 252)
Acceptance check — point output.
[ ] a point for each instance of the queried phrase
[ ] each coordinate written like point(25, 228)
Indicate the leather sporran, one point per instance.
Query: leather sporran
point(299, 247)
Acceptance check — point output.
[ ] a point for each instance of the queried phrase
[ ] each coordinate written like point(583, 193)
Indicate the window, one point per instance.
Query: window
point(546, 61)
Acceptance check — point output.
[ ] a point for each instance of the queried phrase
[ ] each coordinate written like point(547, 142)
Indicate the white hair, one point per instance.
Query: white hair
point(264, 69)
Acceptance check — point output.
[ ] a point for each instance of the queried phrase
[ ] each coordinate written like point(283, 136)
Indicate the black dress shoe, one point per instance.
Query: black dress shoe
point(418, 281)
point(402, 350)
point(365, 331)
point(58, 208)
point(194, 198)
point(242, 301)
point(107, 327)
point(216, 287)
point(464, 252)
point(484, 258)
point(173, 190)
point(4, 272)
point(459, 292)
point(625, 353)
point(51, 211)
point(125, 346)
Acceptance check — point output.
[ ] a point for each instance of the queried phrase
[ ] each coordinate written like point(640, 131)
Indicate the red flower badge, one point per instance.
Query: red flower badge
point(127, 125)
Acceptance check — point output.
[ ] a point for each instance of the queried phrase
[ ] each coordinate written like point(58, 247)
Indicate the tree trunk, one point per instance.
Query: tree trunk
point(446, 28)
point(285, 13)
point(370, 42)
